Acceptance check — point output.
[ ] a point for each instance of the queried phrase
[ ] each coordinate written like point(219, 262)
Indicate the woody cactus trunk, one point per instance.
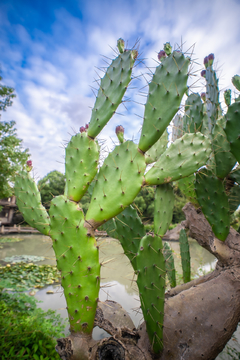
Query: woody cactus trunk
point(167, 331)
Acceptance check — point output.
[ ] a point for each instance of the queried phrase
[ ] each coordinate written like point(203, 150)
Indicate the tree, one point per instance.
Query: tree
point(12, 154)
point(51, 185)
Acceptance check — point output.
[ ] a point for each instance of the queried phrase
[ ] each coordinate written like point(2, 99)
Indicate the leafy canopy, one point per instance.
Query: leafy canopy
point(12, 154)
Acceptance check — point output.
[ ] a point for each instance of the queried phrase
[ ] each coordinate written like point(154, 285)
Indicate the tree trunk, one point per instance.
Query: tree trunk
point(200, 316)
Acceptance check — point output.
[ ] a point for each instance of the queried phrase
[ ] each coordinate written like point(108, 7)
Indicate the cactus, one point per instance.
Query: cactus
point(185, 256)
point(114, 185)
point(151, 285)
point(169, 263)
point(215, 193)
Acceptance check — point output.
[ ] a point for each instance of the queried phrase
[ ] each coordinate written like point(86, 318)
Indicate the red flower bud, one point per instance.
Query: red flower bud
point(82, 129)
point(203, 73)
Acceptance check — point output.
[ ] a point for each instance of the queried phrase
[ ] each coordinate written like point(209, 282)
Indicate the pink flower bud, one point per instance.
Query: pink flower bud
point(205, 61)
point(161, 55)
point(120, 133)
point(210, 59)
point(82, 129)
point(203, 96)
point(86, 126)
point(203, 73)
point(29, 165)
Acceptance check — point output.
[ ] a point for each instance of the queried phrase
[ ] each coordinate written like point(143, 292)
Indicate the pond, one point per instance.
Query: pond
point(117, 279)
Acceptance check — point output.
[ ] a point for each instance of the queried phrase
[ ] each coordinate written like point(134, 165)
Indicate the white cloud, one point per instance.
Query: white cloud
point(52, 73)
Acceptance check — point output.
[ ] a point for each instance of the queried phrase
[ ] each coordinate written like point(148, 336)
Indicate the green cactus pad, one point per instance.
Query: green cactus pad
point(187, 187)
point(168, 85)
point(130, 231)
point(163, 208)
point(169, 263)
point(185, 256)
point(212, 98)
point(118, 183)
point(192, 120)
point(78, 261)
point(151, 284)
point(224, 160)
point(236, 81)
point(157, 149)
point(29, 202)
point(234, 198)
point(183, 157)
point(227, 97)
point(214, 202)
point(232, 128)
point(177, 125)
point(112, 88)
point(81, 162)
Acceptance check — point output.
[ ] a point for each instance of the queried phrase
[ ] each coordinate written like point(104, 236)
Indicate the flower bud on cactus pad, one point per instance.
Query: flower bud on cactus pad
point(210, 59)
point(203, 73)
point(203, 95)
point(167, 48)
point(82, 129)
point(161, 55)
point(29, 165)
point(120, 133)
point(205, 61)
point(120, 45)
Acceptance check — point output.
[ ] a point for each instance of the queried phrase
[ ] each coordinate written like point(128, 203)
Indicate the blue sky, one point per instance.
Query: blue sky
point(50, 52)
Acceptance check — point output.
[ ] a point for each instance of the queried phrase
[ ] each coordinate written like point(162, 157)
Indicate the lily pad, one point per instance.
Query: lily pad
point(21, 277)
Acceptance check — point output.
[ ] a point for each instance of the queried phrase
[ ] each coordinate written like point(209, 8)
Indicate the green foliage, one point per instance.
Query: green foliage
point(6, 96)
point(27, 332)
point(23, 277)
point(144, 202)
point(51, 185)
point(12, 156)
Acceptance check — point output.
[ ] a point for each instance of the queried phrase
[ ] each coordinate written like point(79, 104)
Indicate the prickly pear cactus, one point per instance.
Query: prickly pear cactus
point(113, 187)
point(214, 190)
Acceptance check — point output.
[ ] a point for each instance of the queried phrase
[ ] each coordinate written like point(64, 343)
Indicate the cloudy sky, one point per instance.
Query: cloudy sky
point(51, 53)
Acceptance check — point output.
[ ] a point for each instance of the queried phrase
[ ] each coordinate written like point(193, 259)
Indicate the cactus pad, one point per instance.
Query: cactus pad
point(214, 202)
point(163, 208)
point(118, 183)
point(78, 261)
point(151, 284)
point(29, 202)
point(157, 149)
point(192, 120)
point(81, 162)
point(112, 88)
point(185, 256)
point(183, 157)
point(232, 128)
point(130, 231)
point(168, 85)
point(169, 263)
